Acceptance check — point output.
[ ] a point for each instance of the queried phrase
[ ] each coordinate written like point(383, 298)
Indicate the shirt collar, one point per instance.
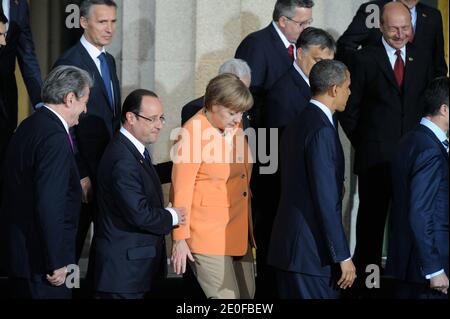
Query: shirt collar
point(140, 147)
point(282, 36)
point(324, 109)
point(6, 11)
point(303, 75)
point(91, 49)
point(66, 126)
point(391, 51)
point(440, 134)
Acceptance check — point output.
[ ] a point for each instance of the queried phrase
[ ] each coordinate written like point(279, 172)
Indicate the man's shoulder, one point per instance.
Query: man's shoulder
point(71, 55)
point(428, 11)
point(258, 36)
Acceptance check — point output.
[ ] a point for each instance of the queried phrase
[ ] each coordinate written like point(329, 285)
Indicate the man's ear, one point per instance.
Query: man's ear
point(282, 22)
point(332, 91)
point(69, 98)
point(84, 22)
point(444, 109)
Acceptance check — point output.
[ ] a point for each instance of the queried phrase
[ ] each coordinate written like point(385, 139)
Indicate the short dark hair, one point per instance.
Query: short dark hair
point(325, 74)
point(3, 18)
point(436, 95)
point(315, 36)
point(85, 7)
point(133, 102)
point(287, 8)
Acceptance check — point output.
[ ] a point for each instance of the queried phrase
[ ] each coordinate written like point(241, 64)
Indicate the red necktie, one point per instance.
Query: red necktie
point(399, 68)
point(291, 52)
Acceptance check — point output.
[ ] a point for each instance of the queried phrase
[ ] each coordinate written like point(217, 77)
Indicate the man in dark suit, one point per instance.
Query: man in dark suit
point(131, 224)
point(102, 121)
point(237, 67)
point(270, 53)
point(291, 93)
point(41, 190)
point(427, 32)
point(418, 245)
point(19, 45)
point(388, 81)
point(308, 242)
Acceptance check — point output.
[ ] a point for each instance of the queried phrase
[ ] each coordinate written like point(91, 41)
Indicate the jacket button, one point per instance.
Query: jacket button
point(243, 176)
point(245, 194)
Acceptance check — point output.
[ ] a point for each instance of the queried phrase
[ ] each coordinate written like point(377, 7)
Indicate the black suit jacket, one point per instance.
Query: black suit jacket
point(41, 198)
point(286, 99)
point(419, 244)
point(268, 59)
point(131, 223)
point(308, 236)
point(428, 35)
point(19, 44)
point(97, 127)
point(378, 112)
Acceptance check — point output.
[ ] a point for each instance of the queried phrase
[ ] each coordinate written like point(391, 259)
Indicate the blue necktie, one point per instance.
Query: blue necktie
point(147, 157)
point(106, 78)
point(445, 144)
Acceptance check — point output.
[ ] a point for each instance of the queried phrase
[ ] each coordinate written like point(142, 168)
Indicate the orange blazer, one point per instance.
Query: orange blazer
point(211, 176)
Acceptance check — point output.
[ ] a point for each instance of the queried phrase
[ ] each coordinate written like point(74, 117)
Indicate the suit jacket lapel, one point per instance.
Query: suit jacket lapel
point(148, 168)
point(420, 23)
point(301, 84)
point(433, 136)
point(410, 66)
point(93, 70)
point(13, 13)
point(279, 46)
point(381, 57)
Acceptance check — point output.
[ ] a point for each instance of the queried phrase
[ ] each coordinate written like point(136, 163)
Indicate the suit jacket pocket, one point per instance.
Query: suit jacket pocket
point(141, 253)
point(215, 200)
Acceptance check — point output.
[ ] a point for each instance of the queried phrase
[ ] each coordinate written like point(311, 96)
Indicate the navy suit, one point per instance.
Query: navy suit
point(96, 128)
point(41, 202)
point(419, 243)
point(19, 44)
point(428, 34)
point(131, 223)
point(308, 236)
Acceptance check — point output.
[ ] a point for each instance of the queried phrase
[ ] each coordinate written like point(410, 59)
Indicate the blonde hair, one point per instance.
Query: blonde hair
point(230, 92)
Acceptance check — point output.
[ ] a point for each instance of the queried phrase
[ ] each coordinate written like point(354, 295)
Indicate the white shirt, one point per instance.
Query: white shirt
point(6, 9)
point(93, 52)
point(66, 126)
point(284, 39)
point(324, 109)
point(141, 148)
point(303, 75)
point(391, 53)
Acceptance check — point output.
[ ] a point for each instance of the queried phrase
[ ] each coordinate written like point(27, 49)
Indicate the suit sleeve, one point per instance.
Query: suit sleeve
point(349, 119)
point(184, 174)
point(326, 191)
point(133, 203)
point(424, 187)
point(28, 62)
point(51, 182)
point(440, 65)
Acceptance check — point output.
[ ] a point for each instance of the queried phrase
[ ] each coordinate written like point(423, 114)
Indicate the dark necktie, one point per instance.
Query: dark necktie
point(70, 140)
point(445, 143)
point(291, 52)
point(399, 68)
point(106, 76)
point(147, 157)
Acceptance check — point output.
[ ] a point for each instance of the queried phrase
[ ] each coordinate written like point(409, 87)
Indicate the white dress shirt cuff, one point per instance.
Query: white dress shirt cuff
point(174, 216)
point(434, 274)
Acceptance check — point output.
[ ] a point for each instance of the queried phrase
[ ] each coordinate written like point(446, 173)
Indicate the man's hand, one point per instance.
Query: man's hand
point(348, 274)
point(439, 283)
point(87, 191)
point(58, 278)
point(180, 250)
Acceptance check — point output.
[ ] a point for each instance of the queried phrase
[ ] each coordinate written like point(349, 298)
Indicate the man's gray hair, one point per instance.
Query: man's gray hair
point(86, 5)
point(325, 74)
point(64, 80)
point(315, 36)
point(237, 67)
point(287, 8)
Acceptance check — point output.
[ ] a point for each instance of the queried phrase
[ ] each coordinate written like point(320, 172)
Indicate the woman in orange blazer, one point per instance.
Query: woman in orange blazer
point(210, 177)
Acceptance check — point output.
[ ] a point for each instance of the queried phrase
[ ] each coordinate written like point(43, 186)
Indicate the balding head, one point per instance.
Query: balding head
point(395, 24)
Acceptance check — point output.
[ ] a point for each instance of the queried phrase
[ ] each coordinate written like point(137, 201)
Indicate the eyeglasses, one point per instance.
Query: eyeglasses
point(153, 119)
point(301, 25)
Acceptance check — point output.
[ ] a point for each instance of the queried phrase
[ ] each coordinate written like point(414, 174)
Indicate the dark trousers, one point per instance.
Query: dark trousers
point(118, 296)
point(86, 218)
point(293, 285)
point(37, 288)
point(375, 193)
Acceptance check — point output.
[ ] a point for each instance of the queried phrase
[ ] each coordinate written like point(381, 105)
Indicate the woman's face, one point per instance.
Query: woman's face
point(224, 118)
